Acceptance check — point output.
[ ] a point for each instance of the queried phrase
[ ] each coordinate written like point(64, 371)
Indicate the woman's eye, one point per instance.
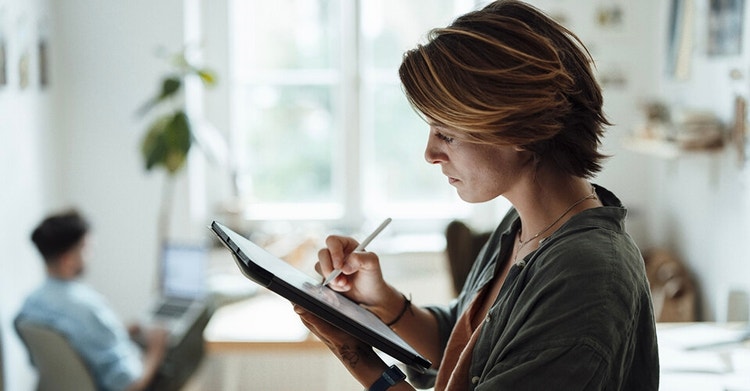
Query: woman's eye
point(443, 137)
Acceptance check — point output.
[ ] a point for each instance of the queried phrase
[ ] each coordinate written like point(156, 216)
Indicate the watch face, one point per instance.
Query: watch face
point(389, 378)
point(393, 375)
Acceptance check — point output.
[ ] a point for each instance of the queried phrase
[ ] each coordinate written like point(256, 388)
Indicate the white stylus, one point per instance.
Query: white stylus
point(336, 272)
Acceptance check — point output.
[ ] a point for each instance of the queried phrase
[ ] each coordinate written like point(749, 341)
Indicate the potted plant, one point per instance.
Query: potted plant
point(170, 133)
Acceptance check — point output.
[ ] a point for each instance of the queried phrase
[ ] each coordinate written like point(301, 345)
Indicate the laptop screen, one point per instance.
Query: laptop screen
point(184, 271)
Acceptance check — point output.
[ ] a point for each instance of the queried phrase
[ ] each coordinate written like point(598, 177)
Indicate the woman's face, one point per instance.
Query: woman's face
point(479, 172)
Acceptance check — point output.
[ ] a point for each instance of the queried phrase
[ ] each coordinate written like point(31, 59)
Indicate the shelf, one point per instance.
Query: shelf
point(664, 149)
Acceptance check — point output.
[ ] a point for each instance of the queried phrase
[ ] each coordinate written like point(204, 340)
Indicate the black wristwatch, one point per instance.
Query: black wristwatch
point(388, 379)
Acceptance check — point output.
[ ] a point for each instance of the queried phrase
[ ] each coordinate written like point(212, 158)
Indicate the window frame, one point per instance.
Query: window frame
point(351, 212)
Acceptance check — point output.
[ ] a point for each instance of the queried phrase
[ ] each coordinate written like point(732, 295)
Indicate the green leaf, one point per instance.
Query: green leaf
point(178, 138)
point(169, 137)
point(167, 142)
point(207, 76)
point(169, 86)
point(153, 145)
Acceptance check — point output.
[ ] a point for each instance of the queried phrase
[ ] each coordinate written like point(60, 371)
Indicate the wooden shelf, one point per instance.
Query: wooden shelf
point(663, 149)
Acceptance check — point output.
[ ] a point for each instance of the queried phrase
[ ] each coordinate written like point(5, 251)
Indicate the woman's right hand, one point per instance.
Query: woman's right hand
point(361, 279)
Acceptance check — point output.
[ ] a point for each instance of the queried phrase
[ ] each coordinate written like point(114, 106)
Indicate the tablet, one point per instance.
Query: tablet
point(280, 277)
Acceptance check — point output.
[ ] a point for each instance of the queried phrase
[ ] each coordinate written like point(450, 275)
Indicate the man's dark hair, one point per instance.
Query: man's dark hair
point(59, 233)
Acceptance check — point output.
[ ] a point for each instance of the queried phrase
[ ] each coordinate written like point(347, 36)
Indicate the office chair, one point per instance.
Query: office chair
point(673, 292)
point(59, 366)
point(462, 245)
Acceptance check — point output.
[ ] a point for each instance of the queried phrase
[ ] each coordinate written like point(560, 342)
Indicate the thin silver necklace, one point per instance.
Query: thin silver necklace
point(522, 243)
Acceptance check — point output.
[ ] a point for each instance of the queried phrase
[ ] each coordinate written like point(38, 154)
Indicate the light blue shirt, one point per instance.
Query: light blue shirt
point(93, 329)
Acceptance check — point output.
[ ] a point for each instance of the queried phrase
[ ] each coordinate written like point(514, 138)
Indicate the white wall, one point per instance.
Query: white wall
point(105, 54)
point(76, 144)
point(701, 202)
point(28, 182)
point(698, 204)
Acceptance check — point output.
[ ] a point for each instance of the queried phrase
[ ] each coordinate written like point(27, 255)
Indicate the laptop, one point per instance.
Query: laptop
point(182, 293)
point(266, 270)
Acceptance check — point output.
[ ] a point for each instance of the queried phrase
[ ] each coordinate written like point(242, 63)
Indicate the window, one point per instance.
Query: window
point(321, 129)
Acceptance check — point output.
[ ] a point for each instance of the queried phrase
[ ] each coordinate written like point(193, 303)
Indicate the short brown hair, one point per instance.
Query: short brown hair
point(509, 74)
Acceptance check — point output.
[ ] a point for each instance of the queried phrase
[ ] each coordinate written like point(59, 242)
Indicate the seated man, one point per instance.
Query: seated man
point(83, 315)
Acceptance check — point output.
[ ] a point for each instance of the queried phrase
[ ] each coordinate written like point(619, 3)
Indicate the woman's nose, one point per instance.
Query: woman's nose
point(432, 153)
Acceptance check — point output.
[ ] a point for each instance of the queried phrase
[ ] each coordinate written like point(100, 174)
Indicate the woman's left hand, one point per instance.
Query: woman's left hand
point(358, 358)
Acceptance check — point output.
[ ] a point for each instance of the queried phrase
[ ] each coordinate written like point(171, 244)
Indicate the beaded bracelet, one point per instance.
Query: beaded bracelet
point(407, 306)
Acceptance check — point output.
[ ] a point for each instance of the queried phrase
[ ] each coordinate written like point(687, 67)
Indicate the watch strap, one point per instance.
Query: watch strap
point(389, 378)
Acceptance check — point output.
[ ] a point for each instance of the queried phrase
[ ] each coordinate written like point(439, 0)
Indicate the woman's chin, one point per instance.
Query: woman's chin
point(470, 198)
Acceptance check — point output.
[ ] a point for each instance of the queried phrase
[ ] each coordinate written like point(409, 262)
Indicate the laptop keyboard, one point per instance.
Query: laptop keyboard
point(172, 309)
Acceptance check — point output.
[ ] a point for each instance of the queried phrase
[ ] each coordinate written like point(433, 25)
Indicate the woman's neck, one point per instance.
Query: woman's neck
point(547, 202)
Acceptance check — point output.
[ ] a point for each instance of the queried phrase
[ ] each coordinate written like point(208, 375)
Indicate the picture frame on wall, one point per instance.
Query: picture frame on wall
point(739, 130)
point(681, 37)
point(43, 63)
point(3, 48)
point(3, 62)
point(725, 26)
point(610, 15)
point(24, 69)
point(43, 52)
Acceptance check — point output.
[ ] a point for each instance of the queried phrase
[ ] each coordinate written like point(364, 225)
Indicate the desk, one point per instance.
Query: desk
point(242, 351)
point(278, 353)
point(715, 366)
point(236, 327)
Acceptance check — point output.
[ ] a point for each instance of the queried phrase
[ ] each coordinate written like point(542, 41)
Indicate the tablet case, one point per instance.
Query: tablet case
point(280, 277)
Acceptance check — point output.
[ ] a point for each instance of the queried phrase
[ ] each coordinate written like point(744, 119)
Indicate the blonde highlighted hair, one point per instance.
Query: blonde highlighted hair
point(508, 74)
